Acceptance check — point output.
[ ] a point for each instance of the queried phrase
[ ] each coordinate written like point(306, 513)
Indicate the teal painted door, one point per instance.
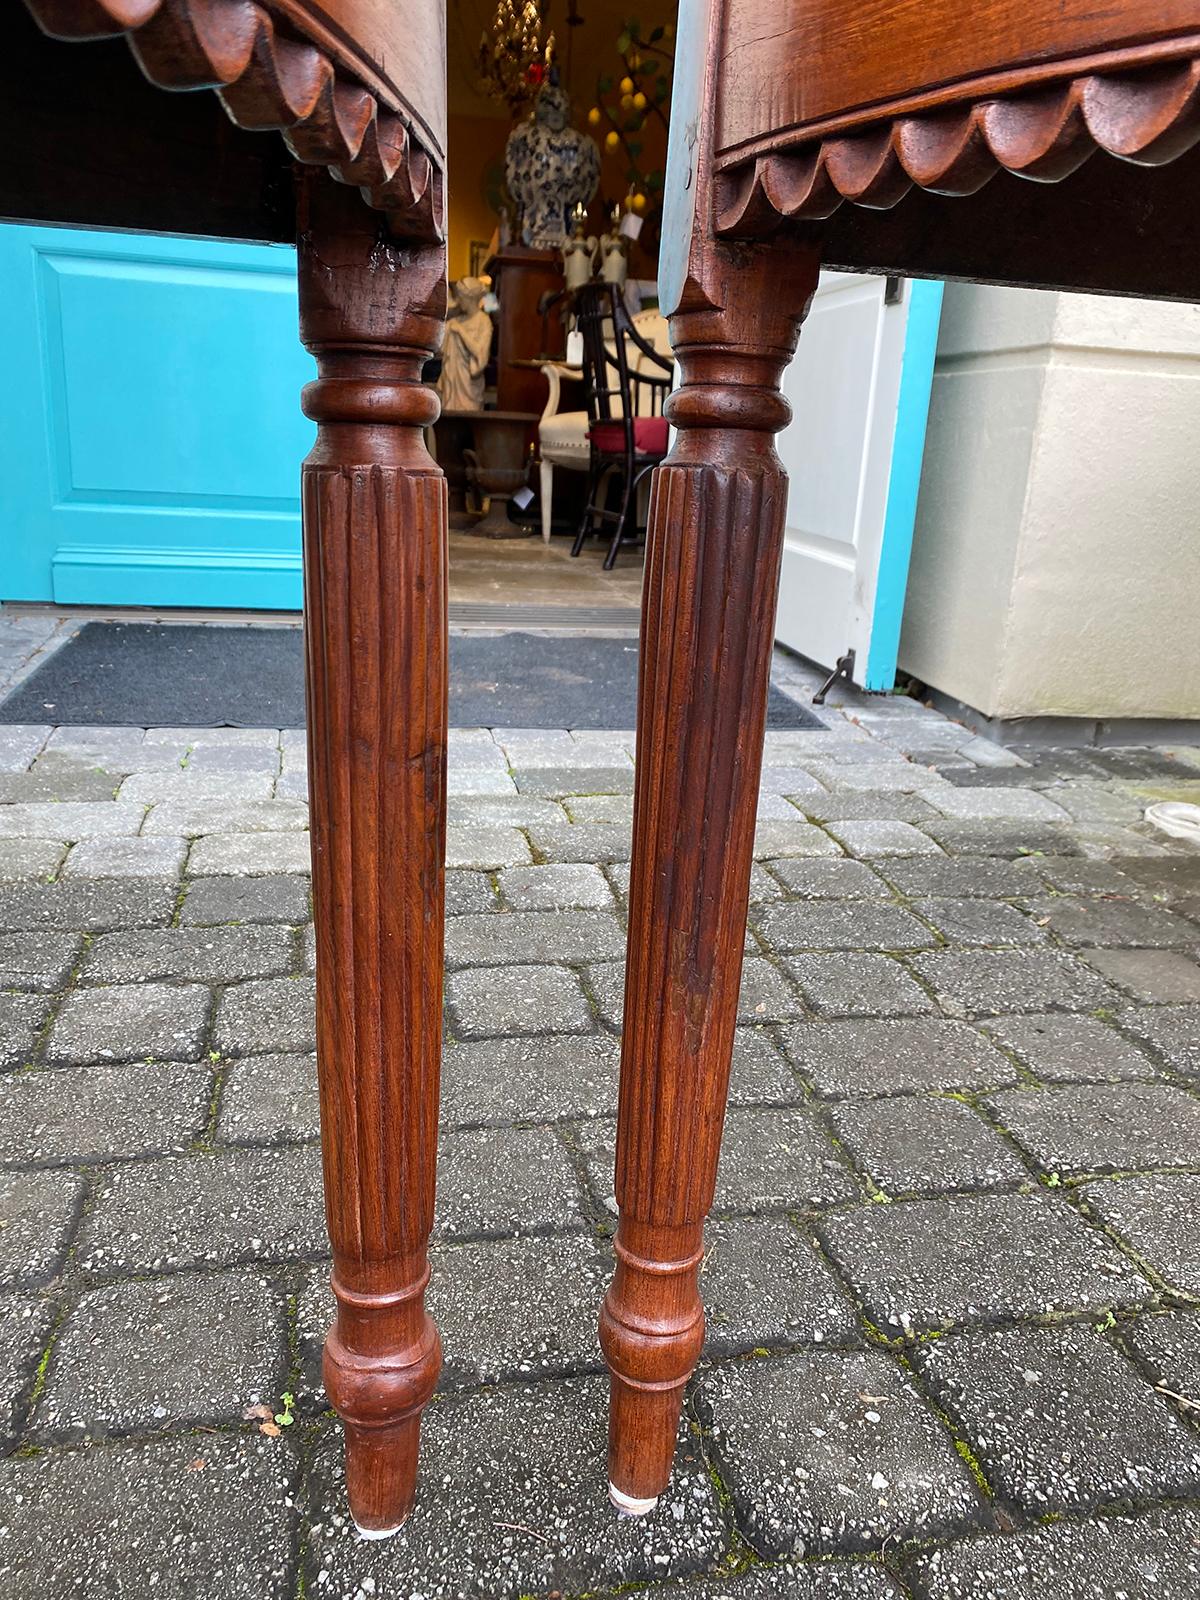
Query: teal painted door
point(150, 431)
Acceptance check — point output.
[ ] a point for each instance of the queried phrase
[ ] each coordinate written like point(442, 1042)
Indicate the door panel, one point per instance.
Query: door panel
point(859, 390)
point(153, 438)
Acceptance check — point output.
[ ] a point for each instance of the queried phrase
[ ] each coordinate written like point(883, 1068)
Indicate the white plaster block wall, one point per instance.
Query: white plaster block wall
point(1056, 557)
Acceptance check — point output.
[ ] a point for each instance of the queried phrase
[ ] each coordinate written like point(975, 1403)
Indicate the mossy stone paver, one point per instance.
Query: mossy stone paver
point(498, 1002)
point(829, 880)
point(985, 983)
point(975, 921)
point(159, 857)
point(516, 1504)
point(962, 877)
point(926, 1144)
point(1072, 1561)
point(917, 1283)
point(164, 1352)
point(554, 888)
point(821, 1579)
point(130, 1022)
point(534, 937)
point(1153, 976)
point(857, 984)
point(519, 1079)
point(877, 1056)
point(1059, 1420)
point(1065, 1047)
point(1113, 923)
point(201, 955)
point(1155, 1215)
point(21, 1020)
point(205, 1210)
point(30, 860)
point(1169, 1346)
point(274, 897)
point(25, 1324)
point(831, 1451)
point(1173, 1032)
point(266, 1016)
point(1100, 1127)
point(874, 840)
point(148, 1518)
point(269, 1100)
point(498, 1181)
point(830, 925)
point(763, 1283)
point(88, 905)
point(37, 962)
point(101, 1113)
point(39, 1212)
point(926, 1264)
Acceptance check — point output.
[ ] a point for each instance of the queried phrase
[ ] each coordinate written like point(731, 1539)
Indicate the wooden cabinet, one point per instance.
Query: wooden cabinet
point(521, 277)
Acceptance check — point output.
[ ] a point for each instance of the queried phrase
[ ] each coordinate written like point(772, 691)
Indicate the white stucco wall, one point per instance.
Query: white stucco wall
point(1056, 556)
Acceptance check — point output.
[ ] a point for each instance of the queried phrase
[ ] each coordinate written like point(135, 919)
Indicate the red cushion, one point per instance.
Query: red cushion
point(649, 436)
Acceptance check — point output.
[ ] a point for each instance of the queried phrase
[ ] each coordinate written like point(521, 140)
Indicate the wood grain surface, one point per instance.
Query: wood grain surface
point(375, 614)
point(282, 66)
point(397, 48)
point(714, 546)
point(805, 67)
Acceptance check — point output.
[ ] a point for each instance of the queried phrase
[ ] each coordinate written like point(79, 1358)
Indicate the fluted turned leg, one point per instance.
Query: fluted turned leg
point(714, 548)
point(375, 615)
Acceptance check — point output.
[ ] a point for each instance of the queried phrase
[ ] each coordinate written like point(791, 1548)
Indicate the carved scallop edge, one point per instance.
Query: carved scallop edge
point(269, 79)
point(1147, 117)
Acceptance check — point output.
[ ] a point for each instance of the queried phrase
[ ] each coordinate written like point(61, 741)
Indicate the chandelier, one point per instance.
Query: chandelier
point(511, 63)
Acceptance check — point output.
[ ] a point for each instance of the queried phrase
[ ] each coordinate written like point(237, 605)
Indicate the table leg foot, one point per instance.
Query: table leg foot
point(381, 1476)
point(628, 1506)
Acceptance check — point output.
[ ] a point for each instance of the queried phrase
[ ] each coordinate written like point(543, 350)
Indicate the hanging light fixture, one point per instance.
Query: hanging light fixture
point(511, 62)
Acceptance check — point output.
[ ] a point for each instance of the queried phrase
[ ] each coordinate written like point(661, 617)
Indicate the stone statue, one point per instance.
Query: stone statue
point(614, 251)
point(550, 168)
point(466, 347)
point(579, 253)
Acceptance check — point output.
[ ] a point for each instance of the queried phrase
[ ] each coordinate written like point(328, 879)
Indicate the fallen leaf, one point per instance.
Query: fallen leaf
point(256, 1414)
point(198, 1465)
point(271, 1429)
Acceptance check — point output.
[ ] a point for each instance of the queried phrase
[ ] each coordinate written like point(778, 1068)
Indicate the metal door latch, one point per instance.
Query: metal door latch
point(844, 669)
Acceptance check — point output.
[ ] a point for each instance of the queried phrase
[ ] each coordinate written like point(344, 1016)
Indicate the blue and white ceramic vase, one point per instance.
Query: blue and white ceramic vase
point(550, 168)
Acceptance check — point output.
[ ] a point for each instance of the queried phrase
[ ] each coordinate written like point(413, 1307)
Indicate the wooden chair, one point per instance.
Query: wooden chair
point(563, 435)
point(625, 383)
point(797, 126)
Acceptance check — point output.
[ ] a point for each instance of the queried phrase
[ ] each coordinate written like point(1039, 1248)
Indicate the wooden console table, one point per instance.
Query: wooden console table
point(797, 127)
point(803, 131)
point(357, 89)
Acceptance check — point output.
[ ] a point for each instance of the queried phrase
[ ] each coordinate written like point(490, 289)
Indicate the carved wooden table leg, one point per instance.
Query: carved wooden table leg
point(375, 609)
point(708, 610)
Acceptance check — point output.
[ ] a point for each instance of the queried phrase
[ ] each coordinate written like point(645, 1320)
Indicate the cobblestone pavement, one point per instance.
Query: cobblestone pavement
point(953, 1272)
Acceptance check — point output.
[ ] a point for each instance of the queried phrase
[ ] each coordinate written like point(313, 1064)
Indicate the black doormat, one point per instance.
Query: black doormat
point(149, 675)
